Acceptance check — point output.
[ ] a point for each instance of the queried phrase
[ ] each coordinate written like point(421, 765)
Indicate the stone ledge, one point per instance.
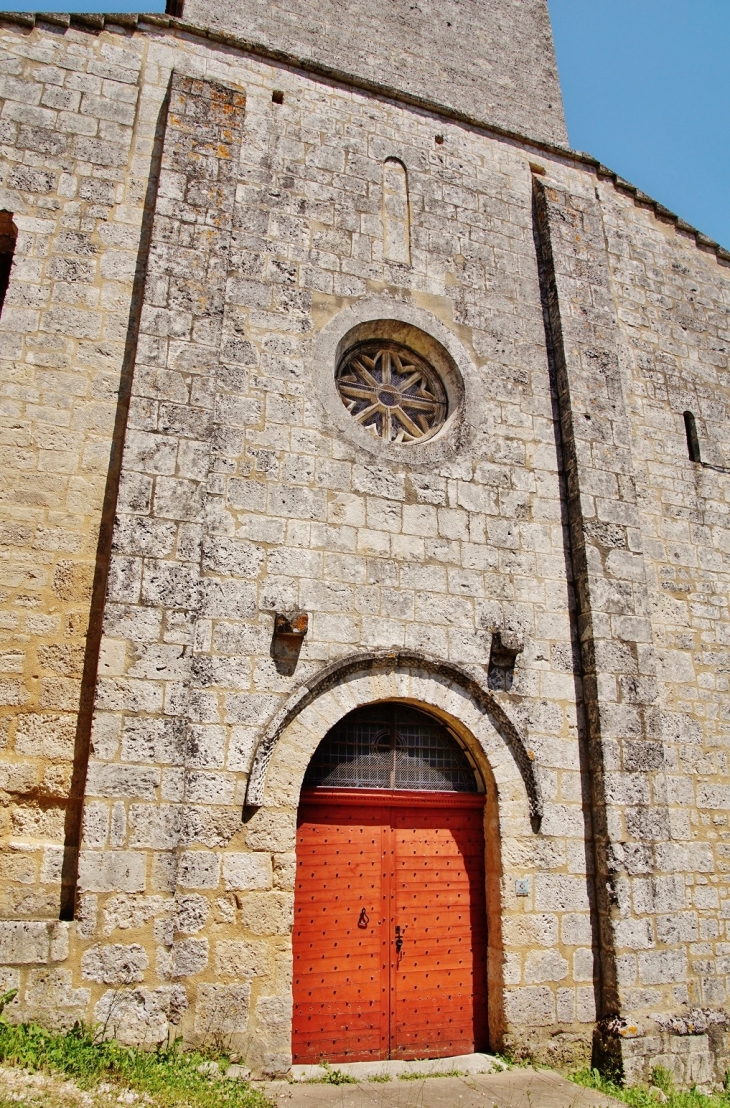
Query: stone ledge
point(363, 1071)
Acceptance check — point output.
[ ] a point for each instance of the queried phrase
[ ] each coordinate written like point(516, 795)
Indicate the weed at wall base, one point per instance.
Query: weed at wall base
point(660, 1092)
point(169, 1075)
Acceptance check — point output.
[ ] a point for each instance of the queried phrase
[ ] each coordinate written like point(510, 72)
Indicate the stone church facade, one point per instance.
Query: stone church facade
point(219, 538)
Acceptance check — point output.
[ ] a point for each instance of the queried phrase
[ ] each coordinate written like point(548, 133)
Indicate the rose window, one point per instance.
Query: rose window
point(391, 391)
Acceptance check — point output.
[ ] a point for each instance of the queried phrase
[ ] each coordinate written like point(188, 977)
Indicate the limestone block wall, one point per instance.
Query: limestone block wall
point(74, 174)
point(494, 61)
point(285, 509)
point(298, 496)
point(673, 303)
point(212, 304)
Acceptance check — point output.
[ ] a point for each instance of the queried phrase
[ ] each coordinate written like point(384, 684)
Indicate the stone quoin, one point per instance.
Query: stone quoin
point(339, 395)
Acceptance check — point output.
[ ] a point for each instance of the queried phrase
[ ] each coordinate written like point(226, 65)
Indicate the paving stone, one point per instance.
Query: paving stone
point(514, 1089)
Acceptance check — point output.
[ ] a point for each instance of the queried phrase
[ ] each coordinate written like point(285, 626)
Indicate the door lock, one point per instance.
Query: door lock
point(399, 938)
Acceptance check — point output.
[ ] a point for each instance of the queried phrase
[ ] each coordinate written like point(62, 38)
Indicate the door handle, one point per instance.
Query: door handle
point(399, 938)
point(364, 919)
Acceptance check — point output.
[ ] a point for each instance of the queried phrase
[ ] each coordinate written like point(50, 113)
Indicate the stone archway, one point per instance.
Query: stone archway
point(360, 679)
point(456, 696)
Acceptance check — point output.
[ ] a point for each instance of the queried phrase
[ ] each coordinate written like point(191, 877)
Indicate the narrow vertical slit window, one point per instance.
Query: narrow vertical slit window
point(396, 221)
point(174, 8)
point(8, 235)
point(693, 442)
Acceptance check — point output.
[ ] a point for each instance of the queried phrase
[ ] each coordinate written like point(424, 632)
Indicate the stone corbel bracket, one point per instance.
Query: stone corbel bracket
point(286, 642)
point(507, 644)
point(337, 672)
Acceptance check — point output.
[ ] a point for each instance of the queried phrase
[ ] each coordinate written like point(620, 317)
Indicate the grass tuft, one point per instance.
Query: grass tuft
point(331, 1077)
point(423, 1076)
point(642, 1096)
point(170, 1076)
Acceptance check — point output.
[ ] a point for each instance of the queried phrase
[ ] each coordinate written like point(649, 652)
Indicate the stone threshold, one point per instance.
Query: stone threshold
point(428, 1067)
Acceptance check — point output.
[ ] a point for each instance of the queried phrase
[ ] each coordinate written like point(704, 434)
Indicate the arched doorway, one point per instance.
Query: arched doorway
point(389, 937)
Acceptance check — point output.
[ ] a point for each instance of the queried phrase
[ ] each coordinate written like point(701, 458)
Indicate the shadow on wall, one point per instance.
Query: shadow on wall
point(604, 958)
point(82, 741)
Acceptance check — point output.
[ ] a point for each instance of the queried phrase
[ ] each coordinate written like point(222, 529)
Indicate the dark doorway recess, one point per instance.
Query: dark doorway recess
point(8, 236)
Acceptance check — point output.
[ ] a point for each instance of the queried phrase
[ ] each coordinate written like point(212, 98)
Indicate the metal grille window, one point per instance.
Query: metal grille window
point(390, 746)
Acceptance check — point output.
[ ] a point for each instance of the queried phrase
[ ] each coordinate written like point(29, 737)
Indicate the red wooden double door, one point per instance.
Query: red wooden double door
point(389, 926)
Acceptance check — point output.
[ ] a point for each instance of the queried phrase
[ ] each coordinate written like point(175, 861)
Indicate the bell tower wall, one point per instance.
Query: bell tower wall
point(491, 61)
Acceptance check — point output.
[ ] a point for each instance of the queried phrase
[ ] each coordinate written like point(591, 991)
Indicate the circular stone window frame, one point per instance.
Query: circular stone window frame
point(426, 335)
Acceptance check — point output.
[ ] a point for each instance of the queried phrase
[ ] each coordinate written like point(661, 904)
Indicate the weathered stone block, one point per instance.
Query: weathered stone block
point(242, 958)
point(284, 868)
point(247, 871)
point(662, 967)
point(190, 913)
point(51, 999)
point(268, 913)
point(119, 871)
point(183, 959)
point(22, 943)
point(530, 1006)
point(120, 780)
point(222, 1009)
point(271, 830)
point(542, 965)
point(554, 892)
point(114, 964)
point(198, 869)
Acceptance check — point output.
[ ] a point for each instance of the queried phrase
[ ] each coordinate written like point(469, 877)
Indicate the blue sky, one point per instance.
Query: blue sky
point(646, 86)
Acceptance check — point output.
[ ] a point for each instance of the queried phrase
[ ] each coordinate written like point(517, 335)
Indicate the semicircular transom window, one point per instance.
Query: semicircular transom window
point(390, 746)
point(391, 391)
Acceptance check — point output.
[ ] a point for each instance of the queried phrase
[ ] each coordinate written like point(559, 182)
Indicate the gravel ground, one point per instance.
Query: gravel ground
point(38, 1090)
